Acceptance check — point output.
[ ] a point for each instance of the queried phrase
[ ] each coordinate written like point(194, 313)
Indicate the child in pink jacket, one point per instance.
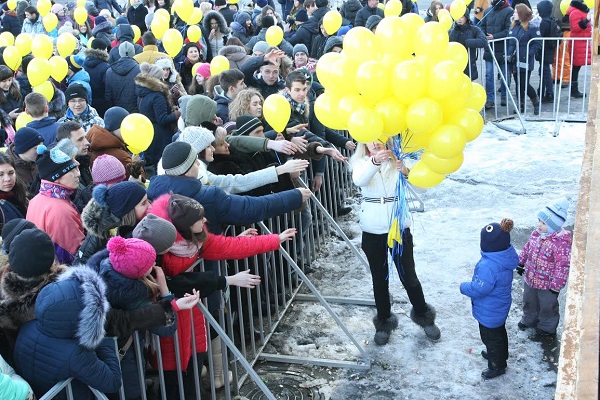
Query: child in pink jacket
point(545, 260)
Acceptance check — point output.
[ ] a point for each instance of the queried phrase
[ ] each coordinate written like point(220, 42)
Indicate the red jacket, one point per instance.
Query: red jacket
point(582, 50)
point(216, 247)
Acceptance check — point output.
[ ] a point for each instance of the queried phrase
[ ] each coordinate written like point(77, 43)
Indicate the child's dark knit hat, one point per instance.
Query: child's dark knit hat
point(496, 236)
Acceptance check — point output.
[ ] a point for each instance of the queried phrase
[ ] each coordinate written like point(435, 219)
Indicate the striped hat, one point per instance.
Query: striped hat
point(246, 123)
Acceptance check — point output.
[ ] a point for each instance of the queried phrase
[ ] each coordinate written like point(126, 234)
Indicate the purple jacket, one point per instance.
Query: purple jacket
point(547, 260)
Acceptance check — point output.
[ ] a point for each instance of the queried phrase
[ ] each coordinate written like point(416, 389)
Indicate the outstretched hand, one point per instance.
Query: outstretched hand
point(244, 279)
point(286, 235)
point(189, 300)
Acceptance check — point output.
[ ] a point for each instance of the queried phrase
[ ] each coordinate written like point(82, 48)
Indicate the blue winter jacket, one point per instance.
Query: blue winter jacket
point(226, 209)
point(490, 288)
point(96, 64)
point(524, 36)
point(120, 85)
point(47, 127)
point(67, 337)
point(83, 78)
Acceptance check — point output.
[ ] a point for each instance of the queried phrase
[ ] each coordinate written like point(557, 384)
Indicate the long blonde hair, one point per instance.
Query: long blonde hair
point(362, 152)
point(241, 104)
point(152, 287)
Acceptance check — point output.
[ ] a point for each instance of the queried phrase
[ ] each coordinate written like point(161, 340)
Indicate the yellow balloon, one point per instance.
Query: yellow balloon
point(137, 132)
point(360, 44)
point(341, 70)
point(12, 4)
point(65, 44)
point(445, 79)
point(347, 105)
point(422, 176)
point(447, 142)
point(393, 8)
point(470, 121)
point(424, 116)
point(194, 33)
point(380, 6)
point(445, 20)
point(90, 40)
point(393, 115)
point(80, 14)
point(443, 166)
point(453, 104)
point(409, 82)
point(274, 35)
point(195, 68)
point(162, 13)
point(80, 3)
point(137, 33)
point(44, 7)
point(564, 6)
point(23, 43)
point(46, 89)
point(325, 69)
point(41, 47)
point(327, 110)
point(458, 53)
point(218, 65)
point(195, 17)
point(589, 3)
point(159, 25)
point(38, 71)
point(394, 30)
point(457, 9)
point(172, 42)
point(277, 111)
point(365, 125)
point(50, 22)
point(22, 120)
point(184, 8)
point(332, 21)
point(58, 68)
point(431, 39)
point(12, 58)
point(412, 142)
point(8, 38)
point(372, 80)
point(477, 99)
point(412, 21)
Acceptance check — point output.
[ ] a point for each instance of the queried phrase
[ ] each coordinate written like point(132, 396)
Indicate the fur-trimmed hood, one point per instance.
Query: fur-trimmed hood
point(18, 295)
point(103, 27)
point(580, 5)
point(152, 84)
point(74, 307)
point(98, 220)
point(97, 54)
point(234, 53)
point(219, 17)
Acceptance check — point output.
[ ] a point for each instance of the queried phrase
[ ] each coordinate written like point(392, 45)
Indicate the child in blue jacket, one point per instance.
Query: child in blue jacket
point(490, 293)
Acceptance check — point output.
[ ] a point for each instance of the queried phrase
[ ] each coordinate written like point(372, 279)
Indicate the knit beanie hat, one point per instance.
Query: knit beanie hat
point(246, 123)
point(184, 212)
point(301, 16)
point(75, 91)
point(189, 46)
point(108, 170)
point(373, 21)
point(132, 258)
point(151, 70)
point(113, 118)
point(99, 20)
point(126, 49)
point(53, 163)
point(204, 70)
point(121, 198)
point(75, 62)
point(300, 48)
point(261, 3)
point(160, 233)
point(198, 137)
point(66, 28)
point(200, 109)
point(267, 21)
point(321, 3)
point(56, 8)
point(99, 44)
point(554, 215)
point(11, 229)
point(32, 253)
point(178, 158)
point(122, 20)
point(496, 236)
point(26, 138)
point(261, 46)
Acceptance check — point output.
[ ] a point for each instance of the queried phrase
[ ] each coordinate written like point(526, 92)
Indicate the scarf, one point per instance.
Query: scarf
point(56, 191)
point(6, 195)
point(183, 248)
point(298, 107)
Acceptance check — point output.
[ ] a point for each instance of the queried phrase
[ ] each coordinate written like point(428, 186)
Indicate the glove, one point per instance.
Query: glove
point(583, 24)
point(520, 269)
point(554, 291)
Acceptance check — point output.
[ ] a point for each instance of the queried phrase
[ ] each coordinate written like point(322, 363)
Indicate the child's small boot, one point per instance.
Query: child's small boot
point(493, 372)
point(427, 322)
point(384, 328)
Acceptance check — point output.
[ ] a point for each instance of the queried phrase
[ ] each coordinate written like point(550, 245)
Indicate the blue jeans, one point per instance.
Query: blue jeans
point(490, 79)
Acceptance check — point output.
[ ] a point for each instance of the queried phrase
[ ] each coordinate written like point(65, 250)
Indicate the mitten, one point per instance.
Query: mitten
point(554, 291)
point(520, 269)
point(583, 24)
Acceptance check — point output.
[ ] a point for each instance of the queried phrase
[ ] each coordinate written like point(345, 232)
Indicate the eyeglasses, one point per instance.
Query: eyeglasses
point(77, 101)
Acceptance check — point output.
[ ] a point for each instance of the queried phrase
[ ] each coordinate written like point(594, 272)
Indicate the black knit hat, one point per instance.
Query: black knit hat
point(53, 163)
point(113, 118)
point(496, 236)
point(190, 45)
point(184, 212)
point(99, 44)
point(11, 229)
point(32, 253)
point(26, 138)
point(75, 91)
point(121, 198)
point(178, 158)
point(245, 124)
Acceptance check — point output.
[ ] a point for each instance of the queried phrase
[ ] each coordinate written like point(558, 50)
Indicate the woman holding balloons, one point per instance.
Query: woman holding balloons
point(376, 171)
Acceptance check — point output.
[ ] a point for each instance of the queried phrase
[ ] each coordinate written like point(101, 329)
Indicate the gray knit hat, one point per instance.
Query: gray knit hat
point(126, 49)
point(178, 158)
point(160, 233)
point(197, 136)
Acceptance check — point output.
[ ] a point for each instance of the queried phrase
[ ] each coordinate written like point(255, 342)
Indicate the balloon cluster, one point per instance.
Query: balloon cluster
point(405, 81)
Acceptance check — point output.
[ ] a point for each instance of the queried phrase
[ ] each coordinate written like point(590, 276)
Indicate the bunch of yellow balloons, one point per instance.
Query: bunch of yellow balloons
point(405, 79)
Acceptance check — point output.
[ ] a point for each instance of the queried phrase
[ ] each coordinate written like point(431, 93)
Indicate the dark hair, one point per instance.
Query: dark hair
point(88, 33)
point(25, 63)
point(36, 104)
point(295, 76)
point(19, 189)
point(149, 39)
point(309, 3)
point(230, 78)
point(233, 41)
point(64, 130)
point(195, 87)
point(13, 91)
point(167, 6)
point(32, 10)
point(267, 21)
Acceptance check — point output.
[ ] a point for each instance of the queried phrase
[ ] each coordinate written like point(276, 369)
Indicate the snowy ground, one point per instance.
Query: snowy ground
point(503, 175)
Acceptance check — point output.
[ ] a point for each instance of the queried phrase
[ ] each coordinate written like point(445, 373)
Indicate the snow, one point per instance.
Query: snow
point(503, 175)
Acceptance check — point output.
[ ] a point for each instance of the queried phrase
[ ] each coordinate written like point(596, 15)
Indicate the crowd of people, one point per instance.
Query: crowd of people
point(99, 242)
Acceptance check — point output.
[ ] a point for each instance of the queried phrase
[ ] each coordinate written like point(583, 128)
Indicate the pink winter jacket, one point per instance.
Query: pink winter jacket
point(547, 260)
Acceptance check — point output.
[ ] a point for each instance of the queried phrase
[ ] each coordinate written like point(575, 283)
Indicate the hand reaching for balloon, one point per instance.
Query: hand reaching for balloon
point(243, 279)
point(350, 145)
point(300, 142)
point(249, 232)
point(189, 300)
point(295, 129)
point(286, 235)
point(282, 146)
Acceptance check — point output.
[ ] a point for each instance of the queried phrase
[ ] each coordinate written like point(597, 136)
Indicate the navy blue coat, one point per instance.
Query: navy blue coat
point(47, 127)
point(472, 38)
point(496, 22)
point(152, 96)
point(310, 29)
point(96, 64)
point(490, 288)
point(120, 85)
point(226, 209)
point(10, 23)
point(67, 337)
point(124, 33)
point(524, 36)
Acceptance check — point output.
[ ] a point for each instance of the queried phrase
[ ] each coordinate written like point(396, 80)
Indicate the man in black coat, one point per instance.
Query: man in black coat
point(120, 85)
point(368, 10)
point(310, 29)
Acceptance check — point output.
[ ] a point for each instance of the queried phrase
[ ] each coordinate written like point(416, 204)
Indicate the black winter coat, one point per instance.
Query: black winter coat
point(310, 29)
point(349, 10)
point(472, 38)
point(364, 13)
point(10, 23)
point(96, 65)
point(524, 36)
point(496, 21)
point(120, 85)
point(124, 33)
point(137, 16)
point(108, 5)
point(545, 11)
